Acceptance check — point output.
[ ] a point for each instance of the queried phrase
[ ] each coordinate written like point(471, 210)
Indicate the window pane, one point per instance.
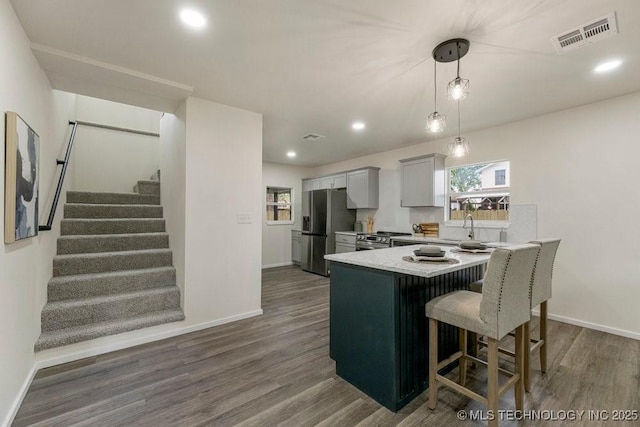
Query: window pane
point(279, 195)
point(278, 213)
point(481, 191)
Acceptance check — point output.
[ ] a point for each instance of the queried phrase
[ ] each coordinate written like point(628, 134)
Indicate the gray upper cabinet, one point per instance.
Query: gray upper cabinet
point(333, 181)
point(310, 184)
point(423, 181)
point(363, 189)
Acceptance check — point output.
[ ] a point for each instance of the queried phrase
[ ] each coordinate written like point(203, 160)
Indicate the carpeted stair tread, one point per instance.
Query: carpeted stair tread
point(66, 265)
point(61, 337)
point(111, 226)
point(92, 210)
point(70, 313)
point(112, 198)
point(147, 187)
point(94, 243)
point(80, 286)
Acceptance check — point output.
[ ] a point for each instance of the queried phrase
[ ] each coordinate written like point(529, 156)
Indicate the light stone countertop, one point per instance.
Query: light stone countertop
point(419, 239)
point(348, 233)
point(391, 260)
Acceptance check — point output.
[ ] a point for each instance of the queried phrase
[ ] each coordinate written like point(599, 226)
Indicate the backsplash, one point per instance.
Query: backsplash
point(522, 218)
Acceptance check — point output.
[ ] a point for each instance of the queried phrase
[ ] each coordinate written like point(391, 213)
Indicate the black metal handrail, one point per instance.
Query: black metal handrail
point(64, 164)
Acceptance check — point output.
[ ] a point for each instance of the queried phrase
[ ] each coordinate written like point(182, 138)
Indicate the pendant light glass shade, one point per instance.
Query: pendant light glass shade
point(436, 122)
point(459, 147)
point(458, 89)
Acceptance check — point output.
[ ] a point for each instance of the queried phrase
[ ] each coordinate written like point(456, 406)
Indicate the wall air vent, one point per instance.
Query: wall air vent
point(312, 137)
point(591, 32)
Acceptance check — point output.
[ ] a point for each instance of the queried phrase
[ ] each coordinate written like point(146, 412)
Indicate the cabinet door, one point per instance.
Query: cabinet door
point(310, 184)
point(296, 250)
point(417, 183)
point(326, 182)
point(357, 189)
point(306, 185)
point(340, 181)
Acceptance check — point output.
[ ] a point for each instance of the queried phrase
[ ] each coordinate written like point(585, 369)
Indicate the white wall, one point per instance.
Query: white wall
point(223, 179)
point(109, 160)
point(488, 175)
point(25, 266)
point(276, 239)
point(578, 166)
point(173, 176)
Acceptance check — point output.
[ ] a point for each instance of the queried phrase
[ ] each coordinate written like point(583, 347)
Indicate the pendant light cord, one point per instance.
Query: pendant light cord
point(435, 85)
point(458, 119)
point(458, 54)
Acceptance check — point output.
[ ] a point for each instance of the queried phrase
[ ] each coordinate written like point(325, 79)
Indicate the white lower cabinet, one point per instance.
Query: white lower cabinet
point(296, 246)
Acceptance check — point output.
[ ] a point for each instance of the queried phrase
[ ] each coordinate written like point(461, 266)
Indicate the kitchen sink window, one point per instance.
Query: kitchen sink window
point(279, 206)
point(481, 190)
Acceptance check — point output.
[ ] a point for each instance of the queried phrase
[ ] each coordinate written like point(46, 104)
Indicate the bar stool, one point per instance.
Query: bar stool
point(503, 306)
point(540, 295)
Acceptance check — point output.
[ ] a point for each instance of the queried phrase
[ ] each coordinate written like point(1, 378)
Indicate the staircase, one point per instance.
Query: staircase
point(114, 271)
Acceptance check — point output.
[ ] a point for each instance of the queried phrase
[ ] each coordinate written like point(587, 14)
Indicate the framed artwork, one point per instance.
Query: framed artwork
point(21, 174)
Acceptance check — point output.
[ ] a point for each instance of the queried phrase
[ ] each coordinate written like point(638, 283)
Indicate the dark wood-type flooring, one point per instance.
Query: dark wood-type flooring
point(275, 370)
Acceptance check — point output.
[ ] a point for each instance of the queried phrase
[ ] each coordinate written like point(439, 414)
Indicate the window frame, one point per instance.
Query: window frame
point(291, 205)
point(477, 223)
point(503, 175)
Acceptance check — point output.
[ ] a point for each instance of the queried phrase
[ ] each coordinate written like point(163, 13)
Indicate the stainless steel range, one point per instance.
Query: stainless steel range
point(379, 240)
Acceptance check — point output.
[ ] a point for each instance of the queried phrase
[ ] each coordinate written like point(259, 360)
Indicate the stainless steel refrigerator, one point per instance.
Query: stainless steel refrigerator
point(323, 213)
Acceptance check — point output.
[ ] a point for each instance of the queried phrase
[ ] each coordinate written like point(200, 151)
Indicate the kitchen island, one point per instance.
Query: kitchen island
point(378, 328)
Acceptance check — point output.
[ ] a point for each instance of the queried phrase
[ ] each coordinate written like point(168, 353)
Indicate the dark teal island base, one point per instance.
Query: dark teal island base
point(378, 329)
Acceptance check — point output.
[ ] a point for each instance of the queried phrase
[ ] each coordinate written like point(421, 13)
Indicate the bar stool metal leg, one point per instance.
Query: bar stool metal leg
point(543, 336)
point(527, 355)
point(433, 363)
point(492, 381)
point(522, 350)
point(462, 374)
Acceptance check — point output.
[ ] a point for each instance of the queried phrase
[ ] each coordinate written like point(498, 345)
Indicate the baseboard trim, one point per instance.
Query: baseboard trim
point(47, 362)
point(280, 264)
point(13, 410)
point(594, 326)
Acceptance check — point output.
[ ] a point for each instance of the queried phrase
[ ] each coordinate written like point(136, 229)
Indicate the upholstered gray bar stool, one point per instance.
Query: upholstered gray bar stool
point(540, 295)
point(503, 306)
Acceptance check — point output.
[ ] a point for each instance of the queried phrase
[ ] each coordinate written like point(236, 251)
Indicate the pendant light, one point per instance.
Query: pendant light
point(449, 51)
point(459, 147)
point(436, 122)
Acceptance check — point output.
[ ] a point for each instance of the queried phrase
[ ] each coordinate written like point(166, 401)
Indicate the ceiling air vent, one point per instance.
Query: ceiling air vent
point(591, 32)
point(312, 137)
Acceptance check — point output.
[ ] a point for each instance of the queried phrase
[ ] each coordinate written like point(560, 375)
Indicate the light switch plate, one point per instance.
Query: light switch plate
point(244, 218)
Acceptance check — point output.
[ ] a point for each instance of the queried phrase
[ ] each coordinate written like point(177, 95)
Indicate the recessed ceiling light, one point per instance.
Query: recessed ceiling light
point(192, 18)
point(291, 154)
point(358, 126)
point(607, 66)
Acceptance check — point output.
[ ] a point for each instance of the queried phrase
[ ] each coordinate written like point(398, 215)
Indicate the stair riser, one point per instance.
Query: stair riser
point(148, 188)
point(69, 227)
point(106, 211)
point(112, 262)
point(72, 287)
point(106, 311)
point(106, 243)
point(54, 339)
point(112, 198)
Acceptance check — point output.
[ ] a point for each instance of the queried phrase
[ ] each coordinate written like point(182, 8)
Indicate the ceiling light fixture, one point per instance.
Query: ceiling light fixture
point(358, 126)
point(608, 66)
point(291, 154)
point(436, 122)
point(459, 147)
point(192, 18)
point(449, 51)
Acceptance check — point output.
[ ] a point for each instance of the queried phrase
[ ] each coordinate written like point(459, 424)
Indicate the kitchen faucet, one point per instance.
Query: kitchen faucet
point(472, 233)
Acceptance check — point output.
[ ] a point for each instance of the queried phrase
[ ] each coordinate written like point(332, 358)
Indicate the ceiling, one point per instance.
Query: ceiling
point(319, 65)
